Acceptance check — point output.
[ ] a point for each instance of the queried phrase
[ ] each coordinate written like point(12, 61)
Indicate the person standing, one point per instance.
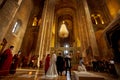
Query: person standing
point(60, 64)
point(47, 63)
point(68, 63)
point(6, 61)
point(15, 62)
point(52, 70)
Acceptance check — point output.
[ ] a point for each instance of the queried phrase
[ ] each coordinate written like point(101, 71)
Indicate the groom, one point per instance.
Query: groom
point(60, 64)
point(68, 64)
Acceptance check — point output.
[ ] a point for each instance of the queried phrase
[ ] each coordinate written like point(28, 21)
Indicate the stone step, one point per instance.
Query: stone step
point(84, 75)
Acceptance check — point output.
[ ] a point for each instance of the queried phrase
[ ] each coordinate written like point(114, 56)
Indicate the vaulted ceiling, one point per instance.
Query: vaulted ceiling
point(65, 10)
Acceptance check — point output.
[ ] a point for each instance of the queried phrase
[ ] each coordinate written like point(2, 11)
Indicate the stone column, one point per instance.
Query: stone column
point(76, 31)
point(48, 35)
point(45, 29)
point(50, 24)
point(79, 23)
point(41, 31)
point(91, 33)
point(82, 27)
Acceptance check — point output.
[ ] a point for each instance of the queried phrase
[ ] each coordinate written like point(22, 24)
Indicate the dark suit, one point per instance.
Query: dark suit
point(68, 64)
point(60, 64)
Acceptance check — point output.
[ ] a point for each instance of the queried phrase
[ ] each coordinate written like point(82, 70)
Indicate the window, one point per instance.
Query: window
point(16, 27)
point(97, 19)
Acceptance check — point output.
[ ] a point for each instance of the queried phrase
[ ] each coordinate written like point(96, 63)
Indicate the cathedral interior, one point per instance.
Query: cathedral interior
point(81, 28)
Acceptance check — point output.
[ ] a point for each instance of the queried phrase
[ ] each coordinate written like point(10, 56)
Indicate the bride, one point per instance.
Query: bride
point(52, 71)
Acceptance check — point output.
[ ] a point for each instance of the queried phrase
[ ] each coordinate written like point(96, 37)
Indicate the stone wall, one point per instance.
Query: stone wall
point(7, 12)
point(21, 13)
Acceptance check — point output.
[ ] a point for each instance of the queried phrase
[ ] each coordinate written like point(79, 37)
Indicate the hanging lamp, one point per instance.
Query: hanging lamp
point(63, 32)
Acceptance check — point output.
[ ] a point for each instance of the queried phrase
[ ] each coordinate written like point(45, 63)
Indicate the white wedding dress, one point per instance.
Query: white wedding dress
point(52, 71)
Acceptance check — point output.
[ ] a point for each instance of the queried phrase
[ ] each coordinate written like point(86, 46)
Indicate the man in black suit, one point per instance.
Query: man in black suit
point(60, 64)
point(68, 63)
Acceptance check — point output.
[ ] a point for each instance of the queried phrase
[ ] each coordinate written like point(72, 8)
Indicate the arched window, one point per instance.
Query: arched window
point(97, 19)
point(16, 27)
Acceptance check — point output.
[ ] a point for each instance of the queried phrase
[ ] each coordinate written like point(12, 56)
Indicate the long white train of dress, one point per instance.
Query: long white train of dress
point(52, 70)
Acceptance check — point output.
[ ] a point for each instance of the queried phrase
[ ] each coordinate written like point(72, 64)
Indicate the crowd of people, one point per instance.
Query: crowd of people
point(104, 66)
point(8, 62)
point(54, 65)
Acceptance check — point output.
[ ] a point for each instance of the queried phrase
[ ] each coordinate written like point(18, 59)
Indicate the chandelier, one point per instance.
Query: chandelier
point(63, 32)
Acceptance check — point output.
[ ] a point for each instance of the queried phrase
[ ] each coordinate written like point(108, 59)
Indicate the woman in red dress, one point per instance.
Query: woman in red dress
point(6, 61)
point(47, 62)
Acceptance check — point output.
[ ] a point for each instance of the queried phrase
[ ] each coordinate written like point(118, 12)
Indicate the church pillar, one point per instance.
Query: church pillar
point(82, 27)
point(79, 24)
point(45, 29)
point(90, 29)
point(77, 42)
point(50, 25)
point(41, 33)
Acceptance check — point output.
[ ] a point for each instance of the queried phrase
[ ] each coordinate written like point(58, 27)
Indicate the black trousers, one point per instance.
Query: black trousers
point(59, 72)
point(68, 69)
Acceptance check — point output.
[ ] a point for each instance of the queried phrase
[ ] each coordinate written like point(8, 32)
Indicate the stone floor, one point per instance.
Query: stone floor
point(32, 74)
